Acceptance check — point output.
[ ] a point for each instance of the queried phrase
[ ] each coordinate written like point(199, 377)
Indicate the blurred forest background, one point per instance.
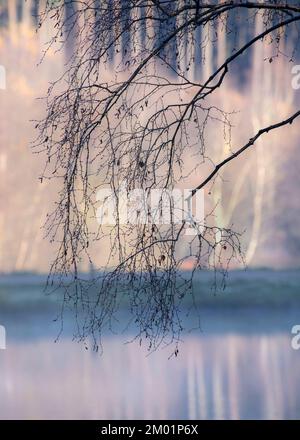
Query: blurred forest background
point(258, 194)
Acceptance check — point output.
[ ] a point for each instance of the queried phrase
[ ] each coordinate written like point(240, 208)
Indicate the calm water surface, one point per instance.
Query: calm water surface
point(240, 366)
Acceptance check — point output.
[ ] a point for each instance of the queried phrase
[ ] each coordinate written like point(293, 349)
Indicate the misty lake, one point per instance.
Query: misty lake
point(241, 365)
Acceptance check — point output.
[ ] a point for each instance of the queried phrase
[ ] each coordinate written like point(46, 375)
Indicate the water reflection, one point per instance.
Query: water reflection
point(216, 376)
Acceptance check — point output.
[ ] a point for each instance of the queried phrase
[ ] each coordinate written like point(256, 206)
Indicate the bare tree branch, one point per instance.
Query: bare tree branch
point(131, 109)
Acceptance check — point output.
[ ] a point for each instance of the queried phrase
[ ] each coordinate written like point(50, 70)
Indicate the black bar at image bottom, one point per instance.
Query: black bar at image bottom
point(120, 429)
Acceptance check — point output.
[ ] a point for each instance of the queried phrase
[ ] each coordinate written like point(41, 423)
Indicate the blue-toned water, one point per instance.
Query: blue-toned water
point(241, 365)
